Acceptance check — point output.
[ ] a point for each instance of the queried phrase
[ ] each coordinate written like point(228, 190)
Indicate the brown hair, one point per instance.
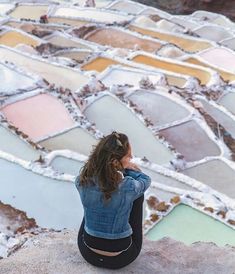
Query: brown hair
point(104, 162)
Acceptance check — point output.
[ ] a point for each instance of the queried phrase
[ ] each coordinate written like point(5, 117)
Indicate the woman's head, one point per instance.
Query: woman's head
point(108, 157)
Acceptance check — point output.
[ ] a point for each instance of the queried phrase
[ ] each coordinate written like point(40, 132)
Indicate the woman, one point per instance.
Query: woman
point(112, 193)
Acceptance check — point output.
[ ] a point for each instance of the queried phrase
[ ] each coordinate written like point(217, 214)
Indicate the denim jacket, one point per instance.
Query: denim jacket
point(110, 219)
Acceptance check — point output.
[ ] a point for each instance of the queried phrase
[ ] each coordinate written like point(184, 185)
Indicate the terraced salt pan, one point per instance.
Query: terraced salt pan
point(78, 55)
point(229, 43)
point(215, 173)
point(32, 11)
point(72, 79)
point(191, 141)
point(221, 117)
point(119, 75)
point(91, 13)
point(203, 75)
point(228, 102)
point(38, 116)
point(166, 180)
point(12, 38)
point(126, 6)
point(186, 43)
point(221, 57)
point(101, 63)
point(67, 21)
point(14, 145)
point(61, 40)
point(109, 114)
point(160, 109)
point(162, 195)
point(213, 33)
point(12, 80)
point(187, 23)
point(196, 60)
point(120, 39)
point(5, 7)
point(189, 225)
point(75, 139)
point(53, 203)
point(66, 165)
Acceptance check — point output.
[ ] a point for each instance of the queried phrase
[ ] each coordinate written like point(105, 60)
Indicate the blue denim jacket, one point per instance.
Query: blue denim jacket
point(110, 219)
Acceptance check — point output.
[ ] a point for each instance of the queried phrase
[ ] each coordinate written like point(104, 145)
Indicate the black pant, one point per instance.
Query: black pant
point(126, 257)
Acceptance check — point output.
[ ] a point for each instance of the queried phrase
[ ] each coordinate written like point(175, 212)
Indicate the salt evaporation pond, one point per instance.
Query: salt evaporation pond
point(160, 109)
point(215, 173)
point(191, 141)
point(109, 114)
point(11, 80)
point(189, 225)
point(38, 116)
point(29, 11)
point(228, 102)
point(14, 145)
point(72, 79)
point(66, 165)
point(53, 203)
point(120, 39)
point(75, 139)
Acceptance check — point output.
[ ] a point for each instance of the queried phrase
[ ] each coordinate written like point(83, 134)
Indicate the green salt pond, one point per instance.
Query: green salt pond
point(189, 225)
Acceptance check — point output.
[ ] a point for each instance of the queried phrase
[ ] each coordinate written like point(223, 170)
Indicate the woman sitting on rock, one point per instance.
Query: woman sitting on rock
point(112, 193)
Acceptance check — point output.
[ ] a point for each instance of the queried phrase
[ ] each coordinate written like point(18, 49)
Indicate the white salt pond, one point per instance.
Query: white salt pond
point(109, 114)
point(126, 6)
point(191, 141)
point(76, 139)
point(221, 57)
point(229, 43)
point(215, 173)
point(72, 79)
point(14, 145)
point(160, 109)
point(228, 101)
point(189, 225)
point(101, 16)
point(119, 75)
point(213, 33)
point(221, 117)
point(12, 80)
point(53, 203)
point(66, 165)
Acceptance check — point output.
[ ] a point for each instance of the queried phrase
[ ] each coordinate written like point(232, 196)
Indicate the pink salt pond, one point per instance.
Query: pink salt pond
point(38, 116)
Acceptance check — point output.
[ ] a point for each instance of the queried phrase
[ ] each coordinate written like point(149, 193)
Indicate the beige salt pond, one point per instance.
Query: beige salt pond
point(67, 21)
point(120, 39)
point(30, 11)
point(76, 139)
point(108, 113)
point(12, 38)
point(77, 55)
point(16, 146)
point(184, 42)
point(202, 74)
point(191, 141)
point(72, 79)
point(38, 116)
point(101, 63)
point(216, 174)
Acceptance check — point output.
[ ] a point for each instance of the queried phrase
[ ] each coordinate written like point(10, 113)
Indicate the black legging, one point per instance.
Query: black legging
point(126, 257)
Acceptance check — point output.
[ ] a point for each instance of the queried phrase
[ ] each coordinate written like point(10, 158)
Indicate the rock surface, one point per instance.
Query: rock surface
point(188, 6)
point(57, 253)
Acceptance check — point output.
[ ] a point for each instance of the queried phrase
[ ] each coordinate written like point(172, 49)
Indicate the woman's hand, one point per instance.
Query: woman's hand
point(133, 166)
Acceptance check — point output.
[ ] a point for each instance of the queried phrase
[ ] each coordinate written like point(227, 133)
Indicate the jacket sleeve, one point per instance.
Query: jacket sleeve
point(139, 181)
